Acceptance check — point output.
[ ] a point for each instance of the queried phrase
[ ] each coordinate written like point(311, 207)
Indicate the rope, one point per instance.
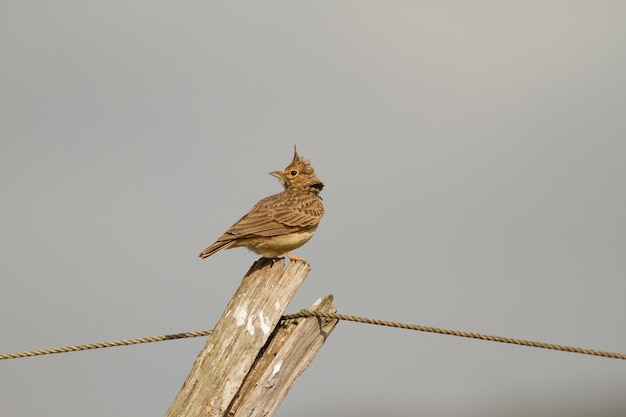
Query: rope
point(309, 313)
point(126, 342)
point(521, 342)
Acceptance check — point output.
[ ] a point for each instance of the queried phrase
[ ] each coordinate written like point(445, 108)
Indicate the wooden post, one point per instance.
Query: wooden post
point(289, 352)
point(238, 338)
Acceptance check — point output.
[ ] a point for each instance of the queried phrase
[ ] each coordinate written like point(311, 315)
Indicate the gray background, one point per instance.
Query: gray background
point(474, 161)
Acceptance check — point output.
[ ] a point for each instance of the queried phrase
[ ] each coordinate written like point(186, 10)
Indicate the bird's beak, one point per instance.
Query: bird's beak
point(276, 174)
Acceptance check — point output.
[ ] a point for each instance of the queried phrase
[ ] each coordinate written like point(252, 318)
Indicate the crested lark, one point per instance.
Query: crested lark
point(281, 222)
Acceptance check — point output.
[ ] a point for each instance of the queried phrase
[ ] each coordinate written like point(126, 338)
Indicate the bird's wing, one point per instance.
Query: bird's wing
point(302, 210)
point(277, 215)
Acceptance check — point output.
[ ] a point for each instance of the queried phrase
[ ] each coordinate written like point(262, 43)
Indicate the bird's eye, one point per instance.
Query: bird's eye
point(294, 173)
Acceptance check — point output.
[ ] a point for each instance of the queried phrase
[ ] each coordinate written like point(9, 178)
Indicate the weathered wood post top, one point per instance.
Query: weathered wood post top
point(237, 343)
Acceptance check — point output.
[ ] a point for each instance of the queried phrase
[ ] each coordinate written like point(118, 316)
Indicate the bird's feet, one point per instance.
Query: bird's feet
point(293, 258)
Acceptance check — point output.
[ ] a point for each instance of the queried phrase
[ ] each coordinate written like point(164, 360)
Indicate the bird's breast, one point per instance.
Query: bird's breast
point(273, 246)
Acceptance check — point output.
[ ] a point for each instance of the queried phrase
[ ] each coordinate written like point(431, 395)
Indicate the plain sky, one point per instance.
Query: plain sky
point(474, 156)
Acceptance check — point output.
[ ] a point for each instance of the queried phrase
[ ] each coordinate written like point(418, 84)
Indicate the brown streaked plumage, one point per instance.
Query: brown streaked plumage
point(281, 222)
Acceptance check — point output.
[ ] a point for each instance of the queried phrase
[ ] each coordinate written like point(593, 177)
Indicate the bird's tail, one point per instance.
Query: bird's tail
point(216, 247)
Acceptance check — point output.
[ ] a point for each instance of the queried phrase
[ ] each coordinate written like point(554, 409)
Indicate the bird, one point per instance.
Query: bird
point(281, 222)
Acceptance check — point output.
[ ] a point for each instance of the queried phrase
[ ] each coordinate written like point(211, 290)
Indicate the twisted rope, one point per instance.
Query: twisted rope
point(309, 313)
point(521, 342)
point(126, 342)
